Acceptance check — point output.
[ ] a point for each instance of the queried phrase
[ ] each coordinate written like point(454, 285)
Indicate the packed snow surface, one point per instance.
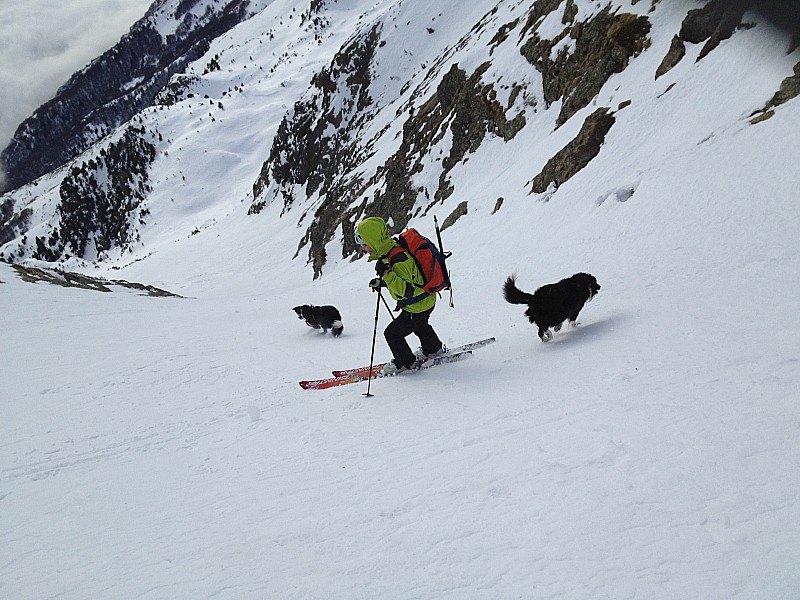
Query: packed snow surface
point(161, 448)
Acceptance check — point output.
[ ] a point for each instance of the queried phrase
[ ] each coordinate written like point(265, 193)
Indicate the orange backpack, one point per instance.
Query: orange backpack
point(429, 259)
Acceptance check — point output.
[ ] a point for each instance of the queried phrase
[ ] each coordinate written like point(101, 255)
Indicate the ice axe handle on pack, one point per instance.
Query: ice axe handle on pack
point(446, 255)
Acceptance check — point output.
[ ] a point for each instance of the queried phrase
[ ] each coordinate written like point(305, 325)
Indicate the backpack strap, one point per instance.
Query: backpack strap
point(413, 300)
point(396, 255)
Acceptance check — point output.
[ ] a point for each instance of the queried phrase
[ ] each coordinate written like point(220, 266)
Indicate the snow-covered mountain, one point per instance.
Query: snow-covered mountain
point(159, 447)
point(338, 111)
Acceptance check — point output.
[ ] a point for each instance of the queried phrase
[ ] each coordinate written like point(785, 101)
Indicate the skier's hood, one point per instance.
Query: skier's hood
point(375, 233)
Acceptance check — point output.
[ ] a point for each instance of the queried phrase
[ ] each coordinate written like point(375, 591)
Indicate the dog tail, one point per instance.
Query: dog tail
point(513, 294)
point(337, 327)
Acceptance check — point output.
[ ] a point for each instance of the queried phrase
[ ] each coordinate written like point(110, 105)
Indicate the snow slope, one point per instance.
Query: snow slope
point(161, 447)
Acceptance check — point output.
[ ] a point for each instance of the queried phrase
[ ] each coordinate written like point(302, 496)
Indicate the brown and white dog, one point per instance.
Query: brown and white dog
point(321, 317)
point(554, 303)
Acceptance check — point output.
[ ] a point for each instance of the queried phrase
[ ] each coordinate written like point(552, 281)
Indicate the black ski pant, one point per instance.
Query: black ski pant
point(403, 326)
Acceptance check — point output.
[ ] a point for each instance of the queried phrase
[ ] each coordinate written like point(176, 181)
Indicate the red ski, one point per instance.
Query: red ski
point(322, 384)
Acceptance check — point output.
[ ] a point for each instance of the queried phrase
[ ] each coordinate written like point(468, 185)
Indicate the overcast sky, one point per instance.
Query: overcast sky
point(43, 42)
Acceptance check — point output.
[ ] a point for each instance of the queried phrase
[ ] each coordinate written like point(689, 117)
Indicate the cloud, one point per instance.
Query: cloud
point(42, 43)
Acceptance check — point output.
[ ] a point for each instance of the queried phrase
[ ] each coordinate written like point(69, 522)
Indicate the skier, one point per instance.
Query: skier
point(402, 277)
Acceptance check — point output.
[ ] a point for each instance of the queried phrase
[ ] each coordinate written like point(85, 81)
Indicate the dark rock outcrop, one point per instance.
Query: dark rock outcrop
point(789, 89)
point(84, 282)
point(577, 154)
point(603, 46)
point(716, 21)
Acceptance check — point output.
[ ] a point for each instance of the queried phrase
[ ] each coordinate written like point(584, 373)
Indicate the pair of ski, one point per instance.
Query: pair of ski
point(347, 376)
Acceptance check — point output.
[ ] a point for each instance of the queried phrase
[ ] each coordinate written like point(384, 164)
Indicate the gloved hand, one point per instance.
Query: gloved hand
point(376, 284)
point(381, 267)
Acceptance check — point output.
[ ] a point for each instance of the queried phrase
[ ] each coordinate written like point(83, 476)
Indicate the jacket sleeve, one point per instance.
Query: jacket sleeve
point(404, 279)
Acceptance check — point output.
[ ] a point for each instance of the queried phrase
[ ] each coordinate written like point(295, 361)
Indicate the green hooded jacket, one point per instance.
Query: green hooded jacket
point(403, 279)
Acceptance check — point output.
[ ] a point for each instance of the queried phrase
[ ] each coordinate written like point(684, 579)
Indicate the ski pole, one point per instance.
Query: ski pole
point(374, 335)
point(386, 304)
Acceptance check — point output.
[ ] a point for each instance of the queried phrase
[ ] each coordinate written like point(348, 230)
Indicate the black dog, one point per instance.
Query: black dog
point(554, 303)
point(321, 317)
